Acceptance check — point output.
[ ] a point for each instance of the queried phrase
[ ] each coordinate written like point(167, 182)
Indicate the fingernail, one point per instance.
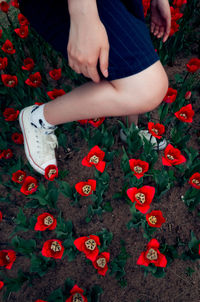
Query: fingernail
point(106, 73)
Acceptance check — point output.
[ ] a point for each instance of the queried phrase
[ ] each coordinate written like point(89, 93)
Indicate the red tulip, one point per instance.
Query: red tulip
point(155, 219)
point(156, 130)
point(185, 114)
point(44, 222)
point(172, 156)
point(88, 245)
point(55, 74)
point(138, 167)
point(7, 258)
point(86, 188)
point(55, 93)
point(100, 263)
point(19, 176)
point(9, 80)
point(8, 47)
point(53, 248)
point(29, 185)
point(51, 172)
point(142, 197)
point(10, 114)
point(152, 255)
point(76, 295)
point(194, 180)
point(95, 158)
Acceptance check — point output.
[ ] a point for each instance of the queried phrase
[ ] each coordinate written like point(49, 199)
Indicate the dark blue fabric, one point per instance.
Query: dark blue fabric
point(131, 48)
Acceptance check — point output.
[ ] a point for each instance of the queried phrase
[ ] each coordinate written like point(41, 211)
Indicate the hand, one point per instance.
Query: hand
point(88, 42)
point(160, 16)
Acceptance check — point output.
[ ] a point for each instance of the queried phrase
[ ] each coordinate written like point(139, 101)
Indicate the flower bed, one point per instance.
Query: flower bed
point(112, 217)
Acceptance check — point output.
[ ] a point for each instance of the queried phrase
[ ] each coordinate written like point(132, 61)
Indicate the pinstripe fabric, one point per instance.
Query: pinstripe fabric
point(131, 48)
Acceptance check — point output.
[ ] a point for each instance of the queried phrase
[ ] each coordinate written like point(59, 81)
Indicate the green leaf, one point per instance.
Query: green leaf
point(26, 247)
point(57, 296)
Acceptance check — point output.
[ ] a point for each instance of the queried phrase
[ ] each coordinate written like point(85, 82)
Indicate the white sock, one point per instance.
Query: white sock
point(38, 120)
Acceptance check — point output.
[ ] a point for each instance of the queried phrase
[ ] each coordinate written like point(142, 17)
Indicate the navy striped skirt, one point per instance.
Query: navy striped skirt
point(131, 48)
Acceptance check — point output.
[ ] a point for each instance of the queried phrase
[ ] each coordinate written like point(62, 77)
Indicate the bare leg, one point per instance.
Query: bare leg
point(131, 119)
point(127, 96)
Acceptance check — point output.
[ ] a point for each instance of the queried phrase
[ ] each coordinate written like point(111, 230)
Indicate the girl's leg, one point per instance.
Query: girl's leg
point(127, 96)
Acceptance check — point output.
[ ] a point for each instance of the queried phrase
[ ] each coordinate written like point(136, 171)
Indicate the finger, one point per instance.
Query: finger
point(93, 73)
point(161, 32)
point(152, 26)
point(168, 29)
point(156, 30)
point(103, 60)
point(76, 68)
point(84, 71)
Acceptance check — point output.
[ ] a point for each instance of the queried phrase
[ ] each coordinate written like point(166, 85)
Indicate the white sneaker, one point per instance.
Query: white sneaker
point(39, 147)
point(145, 133)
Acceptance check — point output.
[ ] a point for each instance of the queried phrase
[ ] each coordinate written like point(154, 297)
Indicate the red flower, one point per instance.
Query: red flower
point(6, 154)
point(29, 185)
point(83, 122)
point(51, 172)
point(22, 19)
point(170, 96)
point(22, 31)
point(55, 93)
point(179, 3)
point(3, 63)
point(156, 130)
point(155, 219)
point(1, 285)
point(143, 197)
point(95, 157)
point(146, 6)
point(188, 95)
point(86, 188)
point(76, 295)
point(8, 47)
point(55, 74)
point(96, 122)
point(1, 31)
point(193, 65)
point(17, 138)
point(28, 64)
point(4, 6)
point(7, 258)
point(185, 114)
point(88, 245)
point(10, 114)
point(175, 14)
point(1, 216)
point(172, 156)
point(53, 248)
point(38, 103)
point(194, 180)
point(39, 300)
point(174, 28)
point(15, 3)
point(152, 255)
point(45, 221)
point(34, 79)
point(100, 263)
point(9, 80)
point(138, 167)
point(19, 176)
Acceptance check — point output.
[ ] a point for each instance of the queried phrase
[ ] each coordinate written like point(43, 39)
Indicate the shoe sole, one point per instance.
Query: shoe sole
point(26, 147)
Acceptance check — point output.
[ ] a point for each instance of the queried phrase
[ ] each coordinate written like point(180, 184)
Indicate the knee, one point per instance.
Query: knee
point(144, 91)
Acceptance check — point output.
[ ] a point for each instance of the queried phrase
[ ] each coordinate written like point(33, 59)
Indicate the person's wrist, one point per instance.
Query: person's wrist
point(82, 8)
